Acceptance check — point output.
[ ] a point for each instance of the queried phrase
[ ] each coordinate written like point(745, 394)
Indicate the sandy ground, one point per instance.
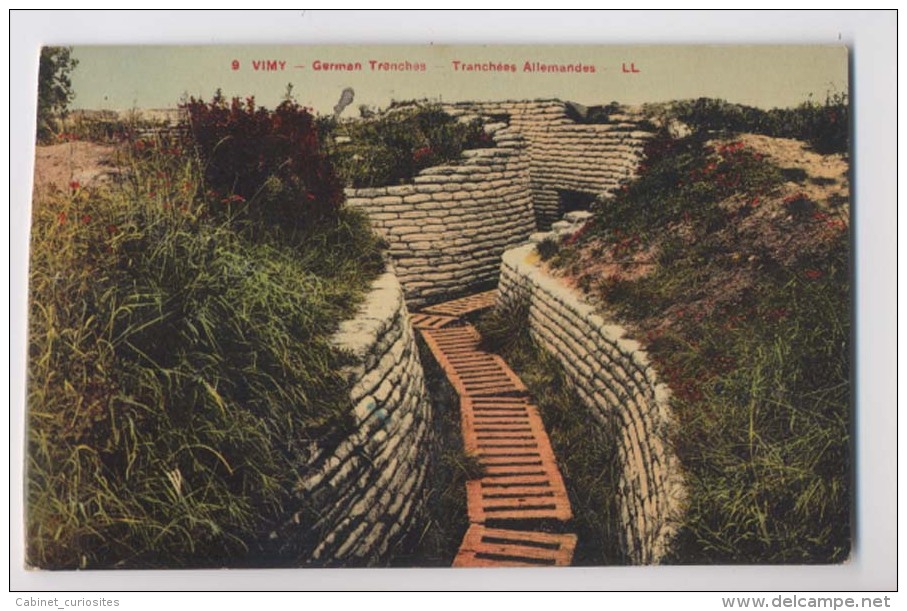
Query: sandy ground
point(58, 165)
point(827, 175)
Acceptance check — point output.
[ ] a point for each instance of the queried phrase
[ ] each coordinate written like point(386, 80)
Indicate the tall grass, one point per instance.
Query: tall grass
point(766, 427)
point(746, 313)
point(178, 365)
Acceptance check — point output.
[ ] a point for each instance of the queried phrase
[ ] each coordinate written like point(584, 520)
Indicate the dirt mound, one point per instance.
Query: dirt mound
point(785, 228)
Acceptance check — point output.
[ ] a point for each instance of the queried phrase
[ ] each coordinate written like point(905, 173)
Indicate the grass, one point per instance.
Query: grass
point(450, 468)
point(179, 362)
point(766, 426)
point(745, 310)
point(588, 460)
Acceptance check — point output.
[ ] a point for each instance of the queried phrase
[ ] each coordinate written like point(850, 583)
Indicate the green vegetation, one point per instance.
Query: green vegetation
point(449, 469)
point(393, 147)
point(684, 179)
point(738, 283)
point(179, 364)
point(764, 398)
point(587, 461)
point(54, 88)
point(824, 126)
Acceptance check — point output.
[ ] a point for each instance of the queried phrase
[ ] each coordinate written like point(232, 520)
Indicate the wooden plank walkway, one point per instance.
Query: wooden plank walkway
point(521, 478)
point(521, 491)
point(430, 321)
point(498, 547)
point(464, 305)
point(471, 371)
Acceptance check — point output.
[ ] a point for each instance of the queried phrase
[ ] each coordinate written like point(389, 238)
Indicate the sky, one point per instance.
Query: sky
point(120, 78)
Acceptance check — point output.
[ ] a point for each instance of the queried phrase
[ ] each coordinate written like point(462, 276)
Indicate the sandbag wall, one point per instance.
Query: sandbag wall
point(447, 230)
point(567, 156)
point(368, 491)
point(626, 403)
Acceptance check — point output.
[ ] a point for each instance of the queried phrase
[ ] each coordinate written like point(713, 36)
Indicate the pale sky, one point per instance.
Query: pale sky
point(116, 77)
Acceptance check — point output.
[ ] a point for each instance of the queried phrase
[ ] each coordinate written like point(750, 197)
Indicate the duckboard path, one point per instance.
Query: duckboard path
point(520, 496)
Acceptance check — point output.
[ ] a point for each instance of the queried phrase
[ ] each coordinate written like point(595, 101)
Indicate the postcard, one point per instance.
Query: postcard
point(440, 306)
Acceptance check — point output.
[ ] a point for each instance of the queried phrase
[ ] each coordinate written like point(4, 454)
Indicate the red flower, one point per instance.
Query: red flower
point(113, 229)
point(421, 154)
point(86, 218)
point(61, 218)
point(837, 224)
point(577, 234)
point(813, 274)
point(74, 185)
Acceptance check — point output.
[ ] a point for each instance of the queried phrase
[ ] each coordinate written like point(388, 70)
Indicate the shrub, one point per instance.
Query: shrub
point(262, 164)
point(109, 127)
point(799, 205)
point(548, 247)
point(824, 126)
point(394, 147)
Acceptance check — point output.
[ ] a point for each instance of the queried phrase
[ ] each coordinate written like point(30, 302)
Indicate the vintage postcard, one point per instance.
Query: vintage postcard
point(439, 306)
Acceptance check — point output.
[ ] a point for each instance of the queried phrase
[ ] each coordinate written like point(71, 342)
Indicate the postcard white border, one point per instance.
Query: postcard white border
point(871, 38)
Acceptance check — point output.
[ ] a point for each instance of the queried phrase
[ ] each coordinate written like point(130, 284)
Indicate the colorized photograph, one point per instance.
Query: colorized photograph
point(440, 306)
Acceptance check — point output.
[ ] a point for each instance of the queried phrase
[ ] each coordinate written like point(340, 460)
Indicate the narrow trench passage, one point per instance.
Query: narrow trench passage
point(520, 495)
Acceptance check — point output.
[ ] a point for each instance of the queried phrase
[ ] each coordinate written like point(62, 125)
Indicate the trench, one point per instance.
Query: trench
point(450, 233)
point(517, 505)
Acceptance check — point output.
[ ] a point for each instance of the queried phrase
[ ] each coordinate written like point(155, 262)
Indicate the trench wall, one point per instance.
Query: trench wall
point(368, 490)
point(626, 403)
point(447, 230)
point(565, 155)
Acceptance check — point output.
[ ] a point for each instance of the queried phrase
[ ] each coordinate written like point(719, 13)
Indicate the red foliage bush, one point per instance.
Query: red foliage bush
point(268, 163)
